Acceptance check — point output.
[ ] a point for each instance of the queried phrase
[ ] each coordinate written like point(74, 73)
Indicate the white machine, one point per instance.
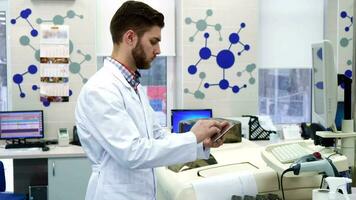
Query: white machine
point(244, 157)
point(325, 96)
point(63, 137)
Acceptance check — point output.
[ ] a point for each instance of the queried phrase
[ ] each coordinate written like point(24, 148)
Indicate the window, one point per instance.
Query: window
point(3, 62)
point(154, 82)
point(285, 95)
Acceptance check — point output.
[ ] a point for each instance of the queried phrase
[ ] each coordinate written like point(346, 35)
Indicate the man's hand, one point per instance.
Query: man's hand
point(209, 142)
point(206, 129)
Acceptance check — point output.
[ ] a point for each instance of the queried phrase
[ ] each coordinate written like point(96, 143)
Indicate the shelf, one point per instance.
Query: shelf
point(329, 134)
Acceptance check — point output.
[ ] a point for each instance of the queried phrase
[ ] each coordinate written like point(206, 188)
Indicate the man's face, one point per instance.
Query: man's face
point(147, 48)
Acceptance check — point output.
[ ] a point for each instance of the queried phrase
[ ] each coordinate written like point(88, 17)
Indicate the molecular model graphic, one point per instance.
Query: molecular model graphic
point(344, 42)
point(74, 67)
point(344, 15)
point(201, 25)
point(198, 94)
point(18, 78)
point(24, 14)
point(225, 59)
point(347, 73)
point(59, 20)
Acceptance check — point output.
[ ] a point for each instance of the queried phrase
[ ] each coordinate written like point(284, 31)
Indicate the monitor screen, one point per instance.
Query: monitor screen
point(21, 124)
point(184, 114)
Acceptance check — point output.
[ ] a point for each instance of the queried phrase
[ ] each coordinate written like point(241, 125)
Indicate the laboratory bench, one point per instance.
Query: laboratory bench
point(62, 173)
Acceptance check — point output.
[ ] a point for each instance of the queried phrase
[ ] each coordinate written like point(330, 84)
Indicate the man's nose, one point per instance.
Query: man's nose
point(158, 50)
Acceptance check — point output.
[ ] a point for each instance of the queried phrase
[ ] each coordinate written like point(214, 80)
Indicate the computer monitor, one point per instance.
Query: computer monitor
point(185, 114)
point(324, 85)
point(21, 124)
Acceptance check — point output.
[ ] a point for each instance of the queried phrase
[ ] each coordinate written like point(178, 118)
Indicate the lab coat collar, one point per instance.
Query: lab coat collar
point(116, 72)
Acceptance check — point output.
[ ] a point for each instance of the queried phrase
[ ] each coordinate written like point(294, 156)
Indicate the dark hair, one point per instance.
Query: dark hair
point(134, 15)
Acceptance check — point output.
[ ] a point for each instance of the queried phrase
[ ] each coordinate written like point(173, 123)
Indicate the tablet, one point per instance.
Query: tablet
point(220, 135)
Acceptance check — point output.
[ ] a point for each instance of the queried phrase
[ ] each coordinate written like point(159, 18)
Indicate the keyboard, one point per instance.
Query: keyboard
point(279, 156)
point(25, 145)
point(288, 153)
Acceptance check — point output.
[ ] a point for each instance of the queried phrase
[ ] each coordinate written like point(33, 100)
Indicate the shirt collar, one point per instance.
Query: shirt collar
point(132, 77)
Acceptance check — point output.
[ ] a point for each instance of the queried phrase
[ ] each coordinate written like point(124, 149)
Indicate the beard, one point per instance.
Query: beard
point(140, 57)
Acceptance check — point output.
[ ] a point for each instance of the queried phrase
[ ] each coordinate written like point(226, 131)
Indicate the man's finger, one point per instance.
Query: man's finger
point(215, 123)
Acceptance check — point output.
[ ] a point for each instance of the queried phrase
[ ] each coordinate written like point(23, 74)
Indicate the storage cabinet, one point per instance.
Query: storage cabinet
point(68, 178)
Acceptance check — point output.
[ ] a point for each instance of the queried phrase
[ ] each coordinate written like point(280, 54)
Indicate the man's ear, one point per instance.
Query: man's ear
point(130, 38)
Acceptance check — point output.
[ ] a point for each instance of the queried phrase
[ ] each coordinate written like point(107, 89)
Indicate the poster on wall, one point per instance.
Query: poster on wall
point(54, 63)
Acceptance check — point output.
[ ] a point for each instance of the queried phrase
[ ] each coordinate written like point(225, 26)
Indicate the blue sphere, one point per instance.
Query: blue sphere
point(234, 38)
point(46, 103)
point(17, 78)
point(34, 32)
point(235, 89)
point(25, 13)
point(192, 69)
point(206, 85)
point(225, 59)
point(224, 84)
point(343, 14)
point(348, 73)
point(205, 53)
point(32, 69)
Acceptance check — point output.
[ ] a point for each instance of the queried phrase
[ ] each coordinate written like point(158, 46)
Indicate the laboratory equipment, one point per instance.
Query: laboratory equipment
point(256, 131)
point(290, 152)
point(340, 161)
point(324, 84)
point(324, 166)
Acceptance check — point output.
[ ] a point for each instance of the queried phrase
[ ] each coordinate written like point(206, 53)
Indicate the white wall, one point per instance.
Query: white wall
point(106, 10)
point(287, 30)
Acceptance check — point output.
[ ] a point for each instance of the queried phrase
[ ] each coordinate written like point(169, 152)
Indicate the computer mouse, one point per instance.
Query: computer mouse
point(45, 148)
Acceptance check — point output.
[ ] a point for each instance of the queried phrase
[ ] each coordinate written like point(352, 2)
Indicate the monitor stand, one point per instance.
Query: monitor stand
point(347, 143)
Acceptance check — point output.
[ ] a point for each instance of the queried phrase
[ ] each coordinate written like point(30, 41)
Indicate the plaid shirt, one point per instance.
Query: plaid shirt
point(133, 78)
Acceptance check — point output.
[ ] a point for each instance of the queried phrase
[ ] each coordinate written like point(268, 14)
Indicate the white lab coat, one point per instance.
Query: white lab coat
point(123, 141)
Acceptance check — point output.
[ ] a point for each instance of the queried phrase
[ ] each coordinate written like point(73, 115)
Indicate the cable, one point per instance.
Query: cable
point(285, 171)
point(334, 155)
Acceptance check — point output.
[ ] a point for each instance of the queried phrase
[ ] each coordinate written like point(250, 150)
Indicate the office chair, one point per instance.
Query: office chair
point(7, 195)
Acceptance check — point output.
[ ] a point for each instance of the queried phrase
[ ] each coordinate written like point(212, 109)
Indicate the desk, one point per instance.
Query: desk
point(65, 170)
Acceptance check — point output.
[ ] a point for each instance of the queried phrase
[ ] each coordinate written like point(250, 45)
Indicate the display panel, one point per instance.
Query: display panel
point(21, 124)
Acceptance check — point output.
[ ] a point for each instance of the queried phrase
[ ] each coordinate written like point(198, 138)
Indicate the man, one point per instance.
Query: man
point(116, 124)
